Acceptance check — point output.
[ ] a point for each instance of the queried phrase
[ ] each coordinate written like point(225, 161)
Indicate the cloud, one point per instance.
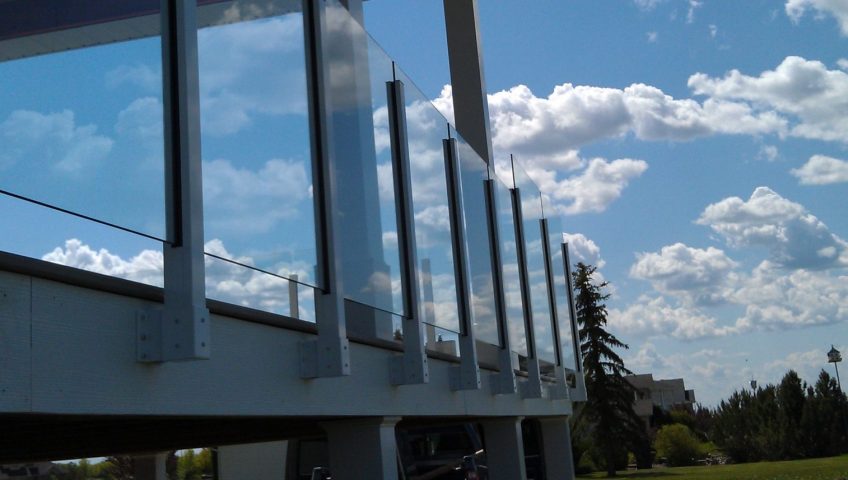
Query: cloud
point(246, 201)
point(796, 9)
point(690, 14)
point(776, 300)
point(768, 153)
point(794, 236)
point(842, 63)
point(224, 281)
point(243, 65)
point(713, 30)
point(655, 317)
point(695, 273)
point(822, 170)
point(583, 249)
point(146, 267)
point(594, 189)
point(798, 89)
point(691, 282)
point(652, 37)
point(140, 75)
point(51, 140)
point(142, 119)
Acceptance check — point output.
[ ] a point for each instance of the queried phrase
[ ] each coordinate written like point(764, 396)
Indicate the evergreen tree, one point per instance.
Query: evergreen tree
point(607, 415)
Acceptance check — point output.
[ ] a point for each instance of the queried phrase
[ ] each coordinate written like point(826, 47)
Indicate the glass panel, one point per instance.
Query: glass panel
point(234, 283)
point(79, 243)
point(358, 72)
point(81, 110)
point(473, 173)
point(441, 340)
point(426, 128)
point(509, 259)
point(531, 209)
point(257, 174)
point(566, 335)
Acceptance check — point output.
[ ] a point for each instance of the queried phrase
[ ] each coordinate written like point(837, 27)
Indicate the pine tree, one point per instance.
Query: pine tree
point(608, 414)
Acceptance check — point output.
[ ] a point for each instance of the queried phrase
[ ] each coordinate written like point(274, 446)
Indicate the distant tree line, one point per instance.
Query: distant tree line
point(785, 421)
point(188, 465)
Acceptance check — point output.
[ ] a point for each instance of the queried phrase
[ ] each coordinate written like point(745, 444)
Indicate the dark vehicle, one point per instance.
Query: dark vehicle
point(428, 452)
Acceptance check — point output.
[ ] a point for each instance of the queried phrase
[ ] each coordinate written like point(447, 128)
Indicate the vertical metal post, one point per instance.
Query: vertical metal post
point(181, 330)
point(578, 393)
point(503, 382)
point(294, 301)
point(410, 368)
point(329, 355)
point(561, 389)
point(466, 376)
point(532, 388)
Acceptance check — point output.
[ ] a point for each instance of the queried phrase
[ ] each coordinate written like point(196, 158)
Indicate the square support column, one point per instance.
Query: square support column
point(556, 447)
point(363, 448)
point(150, 467)
point(256, 461)
point(504, 448)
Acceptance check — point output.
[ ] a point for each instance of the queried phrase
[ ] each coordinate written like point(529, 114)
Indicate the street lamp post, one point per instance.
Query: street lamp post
point(834, 357)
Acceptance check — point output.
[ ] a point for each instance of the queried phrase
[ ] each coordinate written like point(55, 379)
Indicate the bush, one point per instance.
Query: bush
point(678, 445)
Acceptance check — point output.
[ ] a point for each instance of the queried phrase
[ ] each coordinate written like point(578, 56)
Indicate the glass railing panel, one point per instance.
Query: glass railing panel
point(81, 111)
point(426, 128)
point(441, 340)
point(564, 322)
point(234, 283)
point(509, 260)
point(473, 173)
point(257, 176)
point(531, 209)
point(366, 218)
point(64, 239)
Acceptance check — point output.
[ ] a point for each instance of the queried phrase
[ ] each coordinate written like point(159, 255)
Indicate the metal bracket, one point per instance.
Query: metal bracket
point(404, 370)
point(160, 337)
point(324, 359)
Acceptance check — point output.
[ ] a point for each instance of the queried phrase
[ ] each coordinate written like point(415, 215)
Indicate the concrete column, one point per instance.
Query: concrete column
point(150, 467)
point(465, 53)
point(556, 447)
point(257, 461)
point(504, 448)
point(363, 448)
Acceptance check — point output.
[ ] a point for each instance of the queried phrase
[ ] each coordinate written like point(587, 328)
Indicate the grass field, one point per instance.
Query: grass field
point(833, 468)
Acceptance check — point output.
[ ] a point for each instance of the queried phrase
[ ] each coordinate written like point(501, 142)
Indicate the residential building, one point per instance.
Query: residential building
point(665, 394)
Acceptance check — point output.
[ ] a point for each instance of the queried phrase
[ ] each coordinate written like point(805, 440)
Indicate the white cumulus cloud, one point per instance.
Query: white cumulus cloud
point(804, 91)
point(696, 274)
point(51, 140)
point(796, 9)
point(822, 170)
point(795, 237)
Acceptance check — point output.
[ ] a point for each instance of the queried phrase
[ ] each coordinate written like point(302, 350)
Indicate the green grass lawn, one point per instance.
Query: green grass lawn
point(832, 468)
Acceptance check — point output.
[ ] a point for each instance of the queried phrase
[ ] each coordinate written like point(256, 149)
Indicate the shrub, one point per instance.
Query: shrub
point(678, 445)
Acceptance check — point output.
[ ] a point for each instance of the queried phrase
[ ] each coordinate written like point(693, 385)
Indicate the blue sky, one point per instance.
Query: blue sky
point(694, 150)
point(699, 151)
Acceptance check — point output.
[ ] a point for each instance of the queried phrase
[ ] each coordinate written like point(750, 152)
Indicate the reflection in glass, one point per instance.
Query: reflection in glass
point(81, 110)
point(441, 340)
point(358, 72)
point(509, 259)
point(555, 235)
point(473, 172)
point(257, 177)
point(531, 209)
point(426, 128)
point(233, 283)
